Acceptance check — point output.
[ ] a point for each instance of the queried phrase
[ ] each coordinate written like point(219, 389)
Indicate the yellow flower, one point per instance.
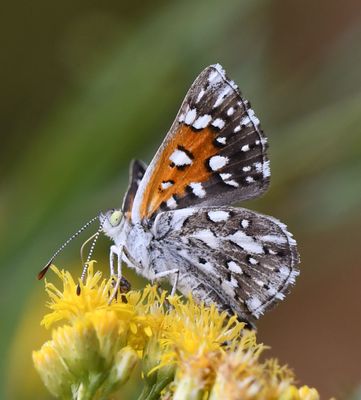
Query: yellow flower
point(241, 376)
point(53, 371)
point(86, 358)
point(187, 351)
point(194, 338)
point(94, 295)
point(148, 315)
point(95, 351)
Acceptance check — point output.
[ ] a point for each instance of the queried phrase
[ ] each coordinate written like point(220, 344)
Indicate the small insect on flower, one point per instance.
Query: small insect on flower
point(177, 223)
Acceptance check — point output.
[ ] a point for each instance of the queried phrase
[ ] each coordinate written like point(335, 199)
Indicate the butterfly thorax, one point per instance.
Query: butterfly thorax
point(137, 246)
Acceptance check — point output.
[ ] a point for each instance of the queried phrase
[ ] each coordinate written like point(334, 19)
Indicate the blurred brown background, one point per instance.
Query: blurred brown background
point(88, 85)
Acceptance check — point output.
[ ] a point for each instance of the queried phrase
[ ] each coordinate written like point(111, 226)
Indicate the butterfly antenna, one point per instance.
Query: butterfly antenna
point(86, 263)
point(42, 273)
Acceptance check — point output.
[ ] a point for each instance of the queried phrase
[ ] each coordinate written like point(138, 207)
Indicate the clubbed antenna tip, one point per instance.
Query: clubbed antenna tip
point(42, 273)
point(78, 290)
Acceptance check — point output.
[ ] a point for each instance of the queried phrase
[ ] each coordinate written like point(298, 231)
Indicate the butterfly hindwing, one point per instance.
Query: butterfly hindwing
point(213, 155)
point(136, 173)
point(239, 259)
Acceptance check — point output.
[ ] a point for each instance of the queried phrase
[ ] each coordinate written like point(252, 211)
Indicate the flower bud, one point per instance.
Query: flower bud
point(53, 371)
point(123, 365)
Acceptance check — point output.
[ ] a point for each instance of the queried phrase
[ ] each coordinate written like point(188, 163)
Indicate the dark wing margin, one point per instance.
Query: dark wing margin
point(136, 172)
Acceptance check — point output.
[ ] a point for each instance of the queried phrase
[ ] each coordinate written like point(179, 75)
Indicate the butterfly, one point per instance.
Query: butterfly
point(177, 223)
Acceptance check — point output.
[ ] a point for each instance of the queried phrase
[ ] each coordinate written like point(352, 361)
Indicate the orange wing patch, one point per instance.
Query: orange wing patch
point(180, 167)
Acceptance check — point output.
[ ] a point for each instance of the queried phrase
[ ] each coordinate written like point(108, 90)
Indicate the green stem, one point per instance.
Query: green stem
point(83, 393)
point(153, 392)
point(87, 390)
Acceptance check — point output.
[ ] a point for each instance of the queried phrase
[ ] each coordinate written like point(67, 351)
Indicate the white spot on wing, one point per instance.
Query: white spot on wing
point(171, 203)
point(234, 267)
point(245, 223)
point(221, 140)
point(232, 182)
point(222, 96)
point(207, 236)
point(237, 129)
point(246, 169)
point(197, 189)
point(190, 116)
point(245, 147)
point(218, 123)
point(217, 162)
point(228, 289)
point(166, 185)
point(225, 178)
point(202, 122)
point(258, 166)
point(214, 77)
point(251, 117)
point(230, 111)
point(266, 169)
point(180, 158)
point(293, 276)
point(254, 303)
point(218, 216)
point(273, 239)
point(284, 271)
point(200, 95)
point(208, 267)
point(246, 242)
point(271, 291)
point(249, 179)
point(233, 282)
point(233, 84)
point(253, 261)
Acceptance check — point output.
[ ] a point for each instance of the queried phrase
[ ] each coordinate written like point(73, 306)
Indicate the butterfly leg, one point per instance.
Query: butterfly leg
point(118, 252)
point(114, 251)
point(164, 274)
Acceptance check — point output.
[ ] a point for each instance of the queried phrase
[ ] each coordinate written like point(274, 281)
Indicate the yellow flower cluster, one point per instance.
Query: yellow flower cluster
point(186, 350)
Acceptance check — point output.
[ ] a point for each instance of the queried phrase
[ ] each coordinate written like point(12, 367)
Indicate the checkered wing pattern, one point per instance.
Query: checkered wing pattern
point(242, 261)
point(213, 155)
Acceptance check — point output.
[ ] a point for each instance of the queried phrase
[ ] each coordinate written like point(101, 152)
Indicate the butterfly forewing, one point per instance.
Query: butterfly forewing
point(214, 153)
point(136, 173)
point(239, 259)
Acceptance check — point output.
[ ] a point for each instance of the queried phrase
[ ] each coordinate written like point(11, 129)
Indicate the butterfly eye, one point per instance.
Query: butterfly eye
point(115, 218)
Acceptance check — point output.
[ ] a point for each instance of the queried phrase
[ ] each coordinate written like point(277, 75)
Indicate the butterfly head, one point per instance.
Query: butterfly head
point(112, 222)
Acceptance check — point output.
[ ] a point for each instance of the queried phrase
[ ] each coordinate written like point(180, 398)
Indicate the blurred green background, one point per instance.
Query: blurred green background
point(86, 86)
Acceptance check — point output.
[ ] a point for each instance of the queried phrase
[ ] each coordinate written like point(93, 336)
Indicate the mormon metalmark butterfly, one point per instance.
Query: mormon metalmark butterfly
point(176, 221)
